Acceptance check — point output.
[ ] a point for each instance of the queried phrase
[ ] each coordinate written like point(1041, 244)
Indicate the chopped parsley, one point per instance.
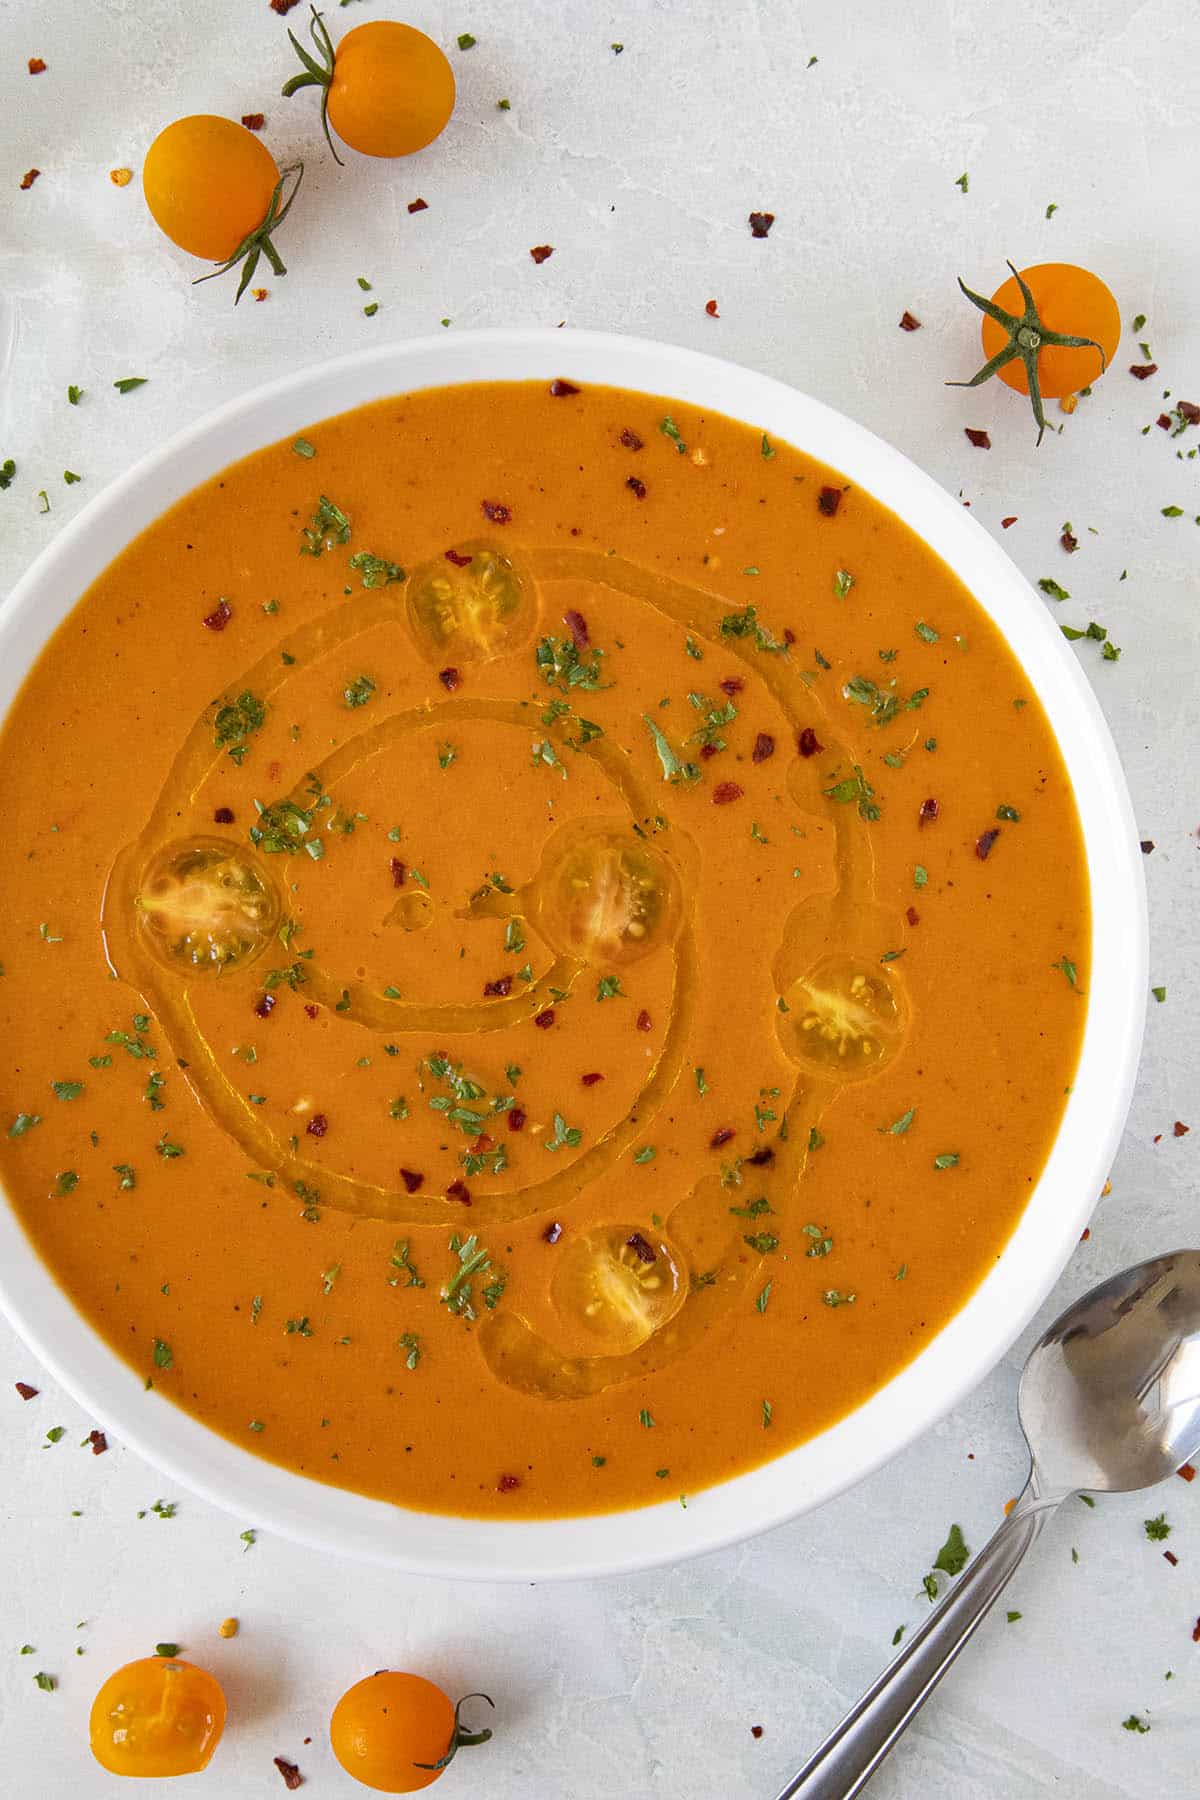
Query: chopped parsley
point(329, 526)
point(607, 988)
point(673, 769)
point(562, 664)
point(745, 624)
point(856, 789)
point(375, 571)
point(1157, 1528)
point(164, 1357)
point(564, 1136)
point(358, 691)
point(668, 427)
point(473, 1259)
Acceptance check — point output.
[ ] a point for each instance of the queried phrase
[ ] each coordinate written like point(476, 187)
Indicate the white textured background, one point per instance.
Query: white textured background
point(640, 170)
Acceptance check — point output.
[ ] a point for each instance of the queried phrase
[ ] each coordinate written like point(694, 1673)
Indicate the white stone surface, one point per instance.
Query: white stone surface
point(640, 170)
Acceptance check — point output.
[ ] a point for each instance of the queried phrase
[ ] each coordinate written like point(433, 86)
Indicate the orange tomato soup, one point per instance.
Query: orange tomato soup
point(531, 983)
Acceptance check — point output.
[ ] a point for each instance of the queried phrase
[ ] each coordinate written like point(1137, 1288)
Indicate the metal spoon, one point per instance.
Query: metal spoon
point(1109, 1401)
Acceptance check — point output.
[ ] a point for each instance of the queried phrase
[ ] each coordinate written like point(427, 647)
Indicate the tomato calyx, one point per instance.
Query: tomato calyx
point(258, 243)
point(1026, 337)
point(316, 73)
point(459, 1737)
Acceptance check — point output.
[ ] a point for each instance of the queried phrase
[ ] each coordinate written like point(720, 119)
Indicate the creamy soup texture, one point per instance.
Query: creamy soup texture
point(545, 941)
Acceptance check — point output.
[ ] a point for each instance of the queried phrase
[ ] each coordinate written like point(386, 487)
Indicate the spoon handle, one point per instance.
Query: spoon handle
point(853, 1751)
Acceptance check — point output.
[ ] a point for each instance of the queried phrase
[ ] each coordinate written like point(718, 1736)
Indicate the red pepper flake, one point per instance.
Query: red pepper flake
point(561, 389)
point(540, 252)
point(1143, 371)
point(1196, 1632)
point(260, 294)
point(789, 636)
point(36, 66)
point(707, 752)
point(1170, 1556)
point(808, 743)
point(310, 1009)
point(1069, 541)
point(219, 618)
point(635, 486)
point(631, 440)
point(26, 1392)
point(725, 792)
point(1163, 421)
point(283, 7)
point(984, 842)
point(516, 1119)
point(545, 1019)
point(762, 1158)
point(292, 1778)
point(644, 1021)
point(576, 624)
point(459, 1191)
point(1186, 1472)
point(928, 812)
point(450, 679)
point(756, 1731)
point(1147, 846)
point(828, 501)
point(1011, 520)
point(761, 223)
point(1180, 1129)
point(496, 511)
point(912, 915)
point(399, 871)
point(731, 685)
point(507, 1484)
point(98, 1441)
point(908, 322)
point(1157, 1138)
point(223, 815)
point(501, 988)
point(980, 439)
point(641, 1249)
point(412, 1180)
point(418, 205)
point(552, 1233)
point(455, 557)
point(317, 1126)
point(265, 1005)
point(764, 746)
point(1189, 411)
point(722, 1136)
point(254, 121)
point(1085, 1234)
point(28, 179)
point(710, 307)
point(591, 1079)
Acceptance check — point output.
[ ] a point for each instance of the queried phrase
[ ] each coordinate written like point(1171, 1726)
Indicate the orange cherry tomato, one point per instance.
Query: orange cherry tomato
point(388, 89)
point(397, 1733)
point(208, 183)
point(158, 1716)
point(1070, 301)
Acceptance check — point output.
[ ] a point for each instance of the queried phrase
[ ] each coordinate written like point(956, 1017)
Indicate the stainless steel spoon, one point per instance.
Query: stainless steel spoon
point(1109, 1401)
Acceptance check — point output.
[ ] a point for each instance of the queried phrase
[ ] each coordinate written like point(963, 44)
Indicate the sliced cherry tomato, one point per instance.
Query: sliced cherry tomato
point(157, 1716)
point(608, 896)
point(619, 1284)
point(469, 608)
point(398, 1733)
point(386, 89)
point(844, 1018)
point(206, 904)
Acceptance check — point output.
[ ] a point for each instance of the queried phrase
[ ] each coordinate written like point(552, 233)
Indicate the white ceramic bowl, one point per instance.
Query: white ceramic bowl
point(963, 1352)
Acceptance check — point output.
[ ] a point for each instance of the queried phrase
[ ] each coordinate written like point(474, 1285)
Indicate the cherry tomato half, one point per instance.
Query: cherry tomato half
point(157, 1716)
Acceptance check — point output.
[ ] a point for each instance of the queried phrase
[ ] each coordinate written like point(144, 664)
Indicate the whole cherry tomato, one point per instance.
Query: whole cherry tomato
point(398, 1733)
point(386, 89)
point(214, 189)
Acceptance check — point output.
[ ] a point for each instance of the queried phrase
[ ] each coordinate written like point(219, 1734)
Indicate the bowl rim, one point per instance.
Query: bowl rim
point(973, 1341)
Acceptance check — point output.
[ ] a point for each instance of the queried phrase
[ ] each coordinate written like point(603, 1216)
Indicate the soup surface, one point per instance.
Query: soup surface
point(545, 939)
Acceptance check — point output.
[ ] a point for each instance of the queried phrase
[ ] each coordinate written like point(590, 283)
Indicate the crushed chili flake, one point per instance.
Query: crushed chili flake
point(98, 1441)
point(760, 223)
point(1180, 1129)
point(552, 1232)
point(317, 1126)
point(1143, 371)
point(731, 685)
point(1085, 1234)
point(722, 1136)
point(516, 1118)
point(450, 679)
point(1188, 411)
point(254, 121)
point(412, 1180)
point(635, 486)
point(265, 1005)
point(418, 205)
point(644, 1021)
point(908, 322)
point(507, 1483)
point(500, 988)
point(912, 915)
point(1170, 1556)
point(576, 624)
point(591, 1079)
point(399, 871)
point(292, 1778)
point(928, 812)
point(710, 307)
point(28, 179)
point(756, 1731)
point(984, 842)
point(459, 1191)
point(725, 792)
point(1196, 1632)
point(1011, 520)
point(545, 1019)
point(283, 7)
point(455, 557)
point(1069, 541)
point(980, 439)
point(707, 752)
point(26, 1392)
point(762, 1158)
point(223, 815)
point(828, 501)
point(808, 742)
point(1186, 1472)
point(1163, 421)
point(641, 1249)
point(560, 388)
point(310, 1009)
point(764, 746)
point(789, 636)
point(37, 66)
point(631, 440)
point(496, 511)
point(540, 252)
point(219, 618)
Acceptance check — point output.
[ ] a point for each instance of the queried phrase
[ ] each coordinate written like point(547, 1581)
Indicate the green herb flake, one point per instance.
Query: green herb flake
point(670, 430)
point(302, 447)
point(358, 691)
point(963, 182)
point(899, 1126)
point(843, 581)
point(75, 394)
point(329, 526)
point(1049, 586)
point(1160, 994)
point(164, 1356)
point(947, 1160)
point(1157, 1529)
point(1133, 1723)
point(47, 1683)
point(646, 1419)
point(1068, 968)
point(466, 41)
point(953, 1556)
point(128, 382)
point(375, 571)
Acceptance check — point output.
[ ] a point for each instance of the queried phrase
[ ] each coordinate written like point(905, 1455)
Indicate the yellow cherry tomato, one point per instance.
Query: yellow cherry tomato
point(208, 183)
point(158, 1716)
point(398, 1733)
point(387, 88)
